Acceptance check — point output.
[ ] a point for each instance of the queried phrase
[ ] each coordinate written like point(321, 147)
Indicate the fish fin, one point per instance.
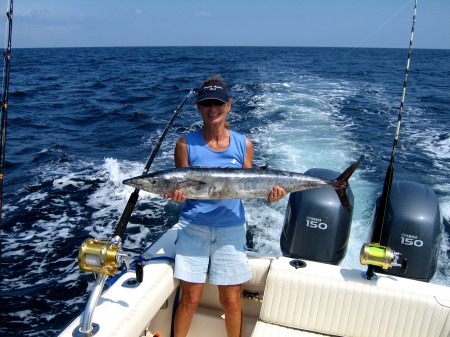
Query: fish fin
point(341, 183)
point(342, 194)
point(342, 180)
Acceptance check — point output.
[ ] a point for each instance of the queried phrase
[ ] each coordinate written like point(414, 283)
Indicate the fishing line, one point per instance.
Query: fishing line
point(5, 91)
point(379, 27)
point(381, 213)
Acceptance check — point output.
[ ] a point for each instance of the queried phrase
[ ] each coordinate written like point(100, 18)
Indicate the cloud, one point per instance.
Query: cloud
point(40, 15)
point(44, 16)
point(136, 11)
point(203, 13)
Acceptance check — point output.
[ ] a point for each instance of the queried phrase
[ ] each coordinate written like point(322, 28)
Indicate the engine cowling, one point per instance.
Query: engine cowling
point(412, 227)
point(316, 224)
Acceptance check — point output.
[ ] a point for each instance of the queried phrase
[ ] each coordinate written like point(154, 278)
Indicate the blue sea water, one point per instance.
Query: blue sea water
point(81, 120)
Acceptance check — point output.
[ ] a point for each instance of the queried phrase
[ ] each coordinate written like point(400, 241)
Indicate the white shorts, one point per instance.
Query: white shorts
point(216, 252)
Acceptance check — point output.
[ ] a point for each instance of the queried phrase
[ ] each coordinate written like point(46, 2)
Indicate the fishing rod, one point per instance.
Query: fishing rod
point(126, 214)
point(6, 71)
point(113, 244)
point(380, 215)
point(104, 257)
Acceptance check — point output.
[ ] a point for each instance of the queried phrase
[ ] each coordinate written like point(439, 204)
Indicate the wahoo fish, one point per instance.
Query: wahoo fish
point(232, 183)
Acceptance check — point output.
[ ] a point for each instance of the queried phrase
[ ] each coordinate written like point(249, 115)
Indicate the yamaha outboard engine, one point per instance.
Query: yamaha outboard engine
point(412, 227)
point(316, 224)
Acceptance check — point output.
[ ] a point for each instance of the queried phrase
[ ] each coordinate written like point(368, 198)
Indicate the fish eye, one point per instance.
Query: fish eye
point(153, 181)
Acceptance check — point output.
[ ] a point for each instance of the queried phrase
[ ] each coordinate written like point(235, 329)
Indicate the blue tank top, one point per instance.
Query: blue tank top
point(214, 213)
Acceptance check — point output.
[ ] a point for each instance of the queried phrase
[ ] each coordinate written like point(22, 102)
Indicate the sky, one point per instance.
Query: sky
point(306, 23)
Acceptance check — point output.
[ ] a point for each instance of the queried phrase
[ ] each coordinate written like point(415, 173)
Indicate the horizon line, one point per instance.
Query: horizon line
point(222, 46)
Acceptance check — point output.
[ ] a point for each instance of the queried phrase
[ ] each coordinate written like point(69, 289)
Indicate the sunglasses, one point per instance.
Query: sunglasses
point(211, 102)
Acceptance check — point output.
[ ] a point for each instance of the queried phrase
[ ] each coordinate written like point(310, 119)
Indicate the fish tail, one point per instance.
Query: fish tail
point(341, 183)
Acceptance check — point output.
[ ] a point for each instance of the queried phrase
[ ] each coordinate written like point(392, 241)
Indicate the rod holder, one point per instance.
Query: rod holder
point(102, 258)
point(87, 328)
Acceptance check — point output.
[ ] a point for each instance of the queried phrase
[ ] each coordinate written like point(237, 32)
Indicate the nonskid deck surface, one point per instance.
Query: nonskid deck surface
point(210, 322)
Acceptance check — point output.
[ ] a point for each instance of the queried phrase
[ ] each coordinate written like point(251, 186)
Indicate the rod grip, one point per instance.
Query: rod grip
point(126, 215)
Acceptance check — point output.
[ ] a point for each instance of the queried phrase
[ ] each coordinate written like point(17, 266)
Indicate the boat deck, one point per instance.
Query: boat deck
point(315, 300)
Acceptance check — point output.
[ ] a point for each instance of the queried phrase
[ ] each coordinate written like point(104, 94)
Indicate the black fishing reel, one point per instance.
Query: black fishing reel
point(376, 255)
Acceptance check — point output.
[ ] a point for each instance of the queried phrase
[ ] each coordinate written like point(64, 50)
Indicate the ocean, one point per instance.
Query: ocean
point(81, 120)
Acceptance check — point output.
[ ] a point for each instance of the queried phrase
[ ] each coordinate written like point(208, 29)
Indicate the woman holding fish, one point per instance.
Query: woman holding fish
point(212, 235)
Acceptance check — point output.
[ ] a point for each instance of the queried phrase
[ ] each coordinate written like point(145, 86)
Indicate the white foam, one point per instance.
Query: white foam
point(23, 314)
point(309, 131)
point(307, 134)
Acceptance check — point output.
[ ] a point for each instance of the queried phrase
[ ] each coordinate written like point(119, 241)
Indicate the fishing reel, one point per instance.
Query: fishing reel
point(101, 257)
point(376, 255)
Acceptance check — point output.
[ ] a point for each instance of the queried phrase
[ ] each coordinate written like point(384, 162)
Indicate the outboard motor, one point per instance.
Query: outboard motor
point(316, 224)
point(412, 227)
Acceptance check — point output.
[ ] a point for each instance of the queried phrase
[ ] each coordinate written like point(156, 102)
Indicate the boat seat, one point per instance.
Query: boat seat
point(326, 300)
point(260, 267)
point(267, 329)
point(123, 310)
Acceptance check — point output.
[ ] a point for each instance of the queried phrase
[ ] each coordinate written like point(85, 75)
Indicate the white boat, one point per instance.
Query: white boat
point(291, 296)
point(285, 297)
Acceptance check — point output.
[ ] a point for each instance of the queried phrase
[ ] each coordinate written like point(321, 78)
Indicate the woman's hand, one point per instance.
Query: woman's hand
point(276, 194)
point(177, 196)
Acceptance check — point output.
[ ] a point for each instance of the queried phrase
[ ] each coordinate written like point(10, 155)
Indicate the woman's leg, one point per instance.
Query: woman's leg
point(230, 299)
point(191, 294)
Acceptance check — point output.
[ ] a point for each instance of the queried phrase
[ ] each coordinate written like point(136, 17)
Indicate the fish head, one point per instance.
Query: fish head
point(158, 182)
point(162, 183)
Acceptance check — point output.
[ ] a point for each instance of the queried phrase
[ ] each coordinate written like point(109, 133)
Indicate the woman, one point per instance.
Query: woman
point(211, 237)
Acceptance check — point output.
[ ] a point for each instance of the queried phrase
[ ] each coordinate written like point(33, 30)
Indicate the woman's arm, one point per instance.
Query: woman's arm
point(181, 155)
point(248, 160)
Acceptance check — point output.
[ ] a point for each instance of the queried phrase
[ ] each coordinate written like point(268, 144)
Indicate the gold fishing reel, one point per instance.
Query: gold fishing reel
point(101, 257)
point(380, 256)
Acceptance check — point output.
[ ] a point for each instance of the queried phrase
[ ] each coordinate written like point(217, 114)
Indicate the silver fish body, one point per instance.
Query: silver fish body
point(230, 183)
